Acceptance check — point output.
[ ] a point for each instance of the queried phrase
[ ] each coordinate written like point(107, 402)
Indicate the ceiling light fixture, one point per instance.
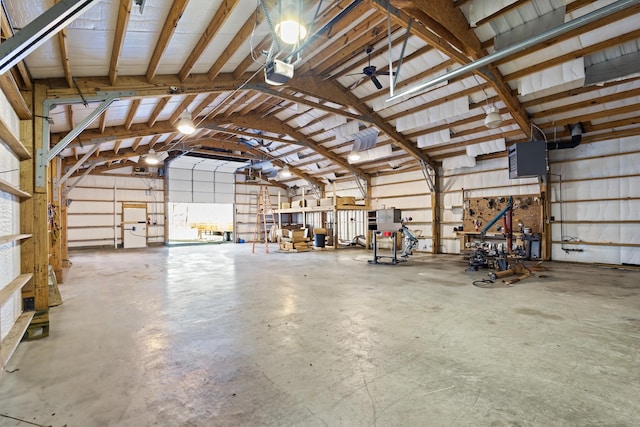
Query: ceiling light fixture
point(152, 158)
point(185, 124)
point(290, 28)
point(285, 172)
point(291, 31)
point(493, 118)
point(353, 156)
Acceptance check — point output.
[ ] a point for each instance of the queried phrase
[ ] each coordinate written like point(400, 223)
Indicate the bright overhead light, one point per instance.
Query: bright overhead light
point(291, 31)
point(493, 119)
point(353, 156)
point(285, 172)
point(185, 124)
point(152, 158)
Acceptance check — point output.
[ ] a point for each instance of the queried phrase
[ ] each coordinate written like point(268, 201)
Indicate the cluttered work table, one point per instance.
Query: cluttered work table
point(506, 231)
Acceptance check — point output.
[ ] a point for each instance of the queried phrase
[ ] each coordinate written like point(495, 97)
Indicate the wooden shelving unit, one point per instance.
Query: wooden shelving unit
point(11, 341)
point(320, 209)
point(13, 237)
point(11, 189)
point(14, 143)
point(17, 283)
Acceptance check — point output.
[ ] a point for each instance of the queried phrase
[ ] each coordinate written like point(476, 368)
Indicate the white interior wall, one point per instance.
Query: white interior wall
point(91, 219)
point(409, 192)
point(191, 180)
point(246, 206)
point(199, 186)
point(488, 178)
point(596, 193)
point(10, 266)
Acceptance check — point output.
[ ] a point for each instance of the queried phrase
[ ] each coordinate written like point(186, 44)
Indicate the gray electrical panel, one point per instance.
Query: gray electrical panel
point(385, 220)
point(527, 159)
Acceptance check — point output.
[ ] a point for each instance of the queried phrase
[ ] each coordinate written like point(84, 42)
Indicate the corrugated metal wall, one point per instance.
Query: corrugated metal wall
point(596, 194)
point(95, 208)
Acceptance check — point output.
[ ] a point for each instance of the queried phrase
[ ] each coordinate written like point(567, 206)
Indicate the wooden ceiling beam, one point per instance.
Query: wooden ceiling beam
point(112, 133)
point(103, 121)
point(169, 27)
point(343, 46)
point(184, 106)
point(263, 87)
point(157, 110)
point(249, 60)
point(21, 68)
point(64, 55)
point(136, 144)
point(133, 109)
point(443, 25)
point(210, 99)
point(162, 85)
point(272, 124)
point(331, 90)
point(238, 40)
point(124, 12)
point(222, 14)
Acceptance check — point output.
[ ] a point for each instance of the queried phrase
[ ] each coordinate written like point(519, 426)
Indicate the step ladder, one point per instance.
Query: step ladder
point(263, 210)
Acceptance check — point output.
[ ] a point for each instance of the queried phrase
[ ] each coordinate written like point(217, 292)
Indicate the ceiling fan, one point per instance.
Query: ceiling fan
point(371, 72)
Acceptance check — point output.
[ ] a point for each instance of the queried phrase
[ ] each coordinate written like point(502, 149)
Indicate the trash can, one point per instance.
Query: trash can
point(319, 235)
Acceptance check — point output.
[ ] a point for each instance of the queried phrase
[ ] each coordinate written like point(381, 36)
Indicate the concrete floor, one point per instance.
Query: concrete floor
point(217, 336)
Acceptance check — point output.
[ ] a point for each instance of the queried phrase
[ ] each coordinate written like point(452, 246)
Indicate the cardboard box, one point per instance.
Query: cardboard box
point(285, 205)
point(346, 201)
point(327, 201)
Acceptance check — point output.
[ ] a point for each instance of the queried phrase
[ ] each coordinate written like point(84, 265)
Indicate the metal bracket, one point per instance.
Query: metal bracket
point(429, 175)
point(361, 187)
point(43, 154)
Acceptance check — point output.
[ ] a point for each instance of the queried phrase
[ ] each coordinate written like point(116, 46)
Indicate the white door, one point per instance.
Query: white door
point(134, 225)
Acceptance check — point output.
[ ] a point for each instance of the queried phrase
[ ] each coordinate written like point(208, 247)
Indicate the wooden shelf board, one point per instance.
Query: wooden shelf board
point(321, 209)
point(13, 237)
point(17, 283)
point(14, 143)
point(5, 186)
point(13, 338)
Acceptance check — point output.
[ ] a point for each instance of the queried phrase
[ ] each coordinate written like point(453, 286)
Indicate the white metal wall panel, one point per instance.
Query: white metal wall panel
point(409, 192)
point(200, 186)
point(594, 197)
point(91, 216)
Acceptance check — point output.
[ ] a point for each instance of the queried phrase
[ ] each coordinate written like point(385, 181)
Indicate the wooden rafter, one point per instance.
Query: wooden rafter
point(23, 72)
point(124, 12)
point(335, 92)
point(271, 124)
point(222, 14)
point(103, 121)
point(169, 27)
point(64, 55)
point(157, 110)
point(184, 105)
point(238, 40)
point(133, 109)
point(136, 144)
point(162, 85)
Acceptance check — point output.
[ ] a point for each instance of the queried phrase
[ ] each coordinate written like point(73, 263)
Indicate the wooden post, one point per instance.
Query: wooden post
point(33, 217)
point(546, 238)
point(435, 217)
point(55, 227)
